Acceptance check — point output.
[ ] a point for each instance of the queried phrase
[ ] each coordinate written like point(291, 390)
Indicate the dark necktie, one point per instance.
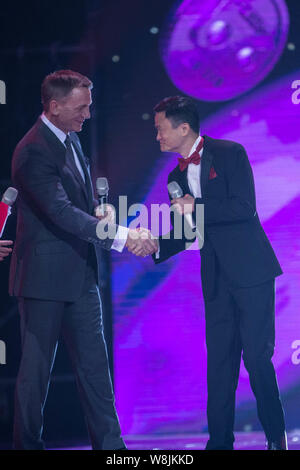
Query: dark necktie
point(194, 158)
point(86, 180)
point(70, 157)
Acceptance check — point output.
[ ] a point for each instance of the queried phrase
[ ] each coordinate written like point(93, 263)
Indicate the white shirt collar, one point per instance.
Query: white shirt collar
point(195, 146)
point(58, 132)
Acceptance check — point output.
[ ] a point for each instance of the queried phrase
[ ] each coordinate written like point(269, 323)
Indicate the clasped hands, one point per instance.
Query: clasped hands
point(143, 243)
point(140, 241)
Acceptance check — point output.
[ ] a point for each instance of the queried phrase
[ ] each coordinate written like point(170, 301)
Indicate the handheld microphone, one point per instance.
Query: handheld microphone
point(7, 201)
point(102, 190)
point(176, 192)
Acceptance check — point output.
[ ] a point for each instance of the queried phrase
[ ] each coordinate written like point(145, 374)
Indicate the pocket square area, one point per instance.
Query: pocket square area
point(212, 173)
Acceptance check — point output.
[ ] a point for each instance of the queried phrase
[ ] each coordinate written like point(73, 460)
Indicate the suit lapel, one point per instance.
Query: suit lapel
point(59, 153)
point(70, 162)
point(206, 163)
point(181, 178)
point(59, 149)
point(85, 166)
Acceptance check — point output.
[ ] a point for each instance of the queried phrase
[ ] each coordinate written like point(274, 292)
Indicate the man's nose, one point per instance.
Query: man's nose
point(87, 114)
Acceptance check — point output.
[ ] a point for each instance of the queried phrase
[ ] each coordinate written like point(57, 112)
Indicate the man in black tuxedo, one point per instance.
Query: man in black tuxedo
point(54, 266)
point(238, 268)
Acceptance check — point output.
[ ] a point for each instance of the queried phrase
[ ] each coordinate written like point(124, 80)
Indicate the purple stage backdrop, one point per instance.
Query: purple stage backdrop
point(217, 49)
point(160, 355)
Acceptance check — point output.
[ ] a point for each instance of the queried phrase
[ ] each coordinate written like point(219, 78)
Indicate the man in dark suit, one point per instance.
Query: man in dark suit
point(54, 267)
point(238, 269)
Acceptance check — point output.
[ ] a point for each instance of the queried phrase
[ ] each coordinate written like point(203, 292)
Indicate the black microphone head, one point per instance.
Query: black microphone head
point(175, 190)
point(10, 196)
point(102, 186)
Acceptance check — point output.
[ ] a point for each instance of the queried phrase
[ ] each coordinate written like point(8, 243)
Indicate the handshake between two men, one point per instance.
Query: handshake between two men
point(140, 241)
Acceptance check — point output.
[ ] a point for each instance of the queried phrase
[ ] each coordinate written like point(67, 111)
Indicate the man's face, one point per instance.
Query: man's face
point(170, 139)
point(71, 112)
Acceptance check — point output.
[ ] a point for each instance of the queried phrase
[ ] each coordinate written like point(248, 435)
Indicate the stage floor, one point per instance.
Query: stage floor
point(243, 441)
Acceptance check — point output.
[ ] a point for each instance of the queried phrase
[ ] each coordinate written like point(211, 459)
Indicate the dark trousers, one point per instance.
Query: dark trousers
point(80, 324)
point(241, 321)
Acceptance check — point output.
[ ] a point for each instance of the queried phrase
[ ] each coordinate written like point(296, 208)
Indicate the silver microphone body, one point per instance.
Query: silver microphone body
point(6, 203)
point(10, 196)
point(102, 191)
point(175, 190)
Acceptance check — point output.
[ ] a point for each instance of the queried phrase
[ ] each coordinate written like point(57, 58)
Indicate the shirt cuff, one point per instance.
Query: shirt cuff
point(157, 253)
point(120, 239)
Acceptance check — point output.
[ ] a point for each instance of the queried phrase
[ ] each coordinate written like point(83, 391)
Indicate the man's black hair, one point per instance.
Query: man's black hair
point(180, 109)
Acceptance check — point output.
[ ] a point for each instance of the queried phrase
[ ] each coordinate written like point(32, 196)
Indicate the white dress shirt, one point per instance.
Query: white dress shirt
point(122, 232)
point(193, 177)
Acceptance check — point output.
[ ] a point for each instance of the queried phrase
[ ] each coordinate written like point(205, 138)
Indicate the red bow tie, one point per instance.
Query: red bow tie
point(194, 158)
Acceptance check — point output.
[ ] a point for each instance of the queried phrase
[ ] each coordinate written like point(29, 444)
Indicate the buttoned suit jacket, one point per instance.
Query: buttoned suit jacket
point(55, 222)
point(233, 235)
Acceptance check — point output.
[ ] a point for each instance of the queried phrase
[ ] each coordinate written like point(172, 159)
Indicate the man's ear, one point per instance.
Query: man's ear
point(185, 128)
point(54, 107)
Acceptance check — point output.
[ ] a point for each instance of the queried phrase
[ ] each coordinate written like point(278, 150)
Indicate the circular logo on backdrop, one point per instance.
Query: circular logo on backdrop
point(218, 49)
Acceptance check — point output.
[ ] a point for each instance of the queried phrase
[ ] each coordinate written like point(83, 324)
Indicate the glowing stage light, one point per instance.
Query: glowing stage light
point(218, 32)
point(154, 30)
point(218, 49)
